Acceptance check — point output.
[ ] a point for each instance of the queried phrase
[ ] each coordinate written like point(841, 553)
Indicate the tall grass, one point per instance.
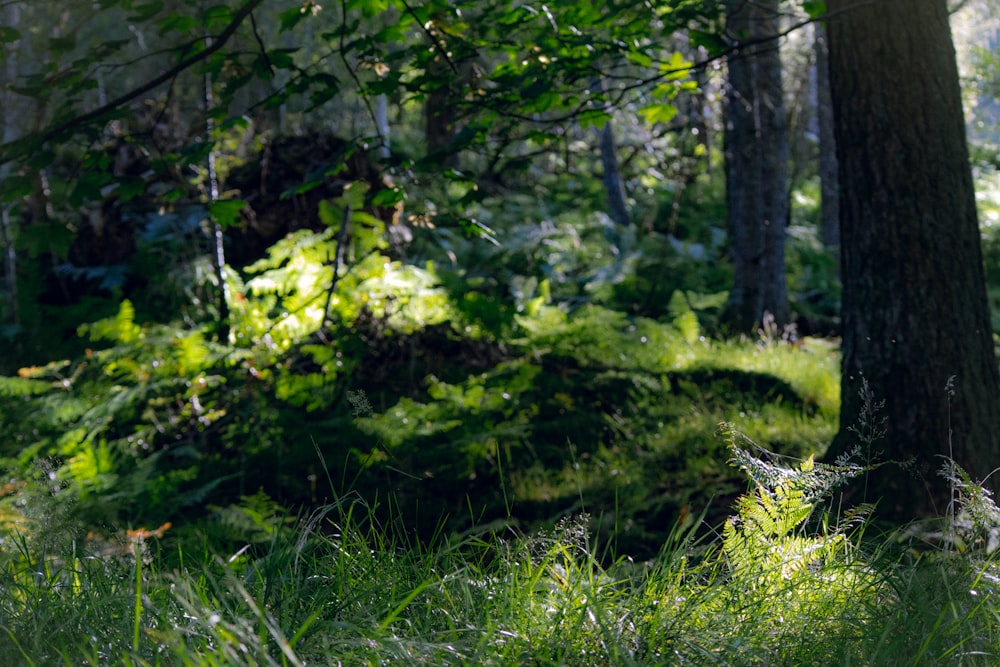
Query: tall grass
point(784, 582)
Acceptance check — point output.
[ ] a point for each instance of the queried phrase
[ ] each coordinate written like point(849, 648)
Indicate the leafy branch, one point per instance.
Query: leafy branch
point(10, 150)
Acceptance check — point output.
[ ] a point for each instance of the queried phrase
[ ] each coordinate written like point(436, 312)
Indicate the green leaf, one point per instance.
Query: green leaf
point(814, 8)
point(676, 68)
point(8, 34)
point(290, 18)
point(121, 328)
point(88, 188)
point(40, 158)
point(145, 11)
point(41, 238)
point(388, 197)
point(329, 214)
point(541, 138)
point(687, 324)
point(639, 58)
point(22, 386)
point(62, 44)
point(372, 8)
point(177, 23)
point(14, 187)
point(710, 41)
point(658, 113)
point(219, 15)
point(593, 118)
point(354, 195)
point(545, 101)
point(475, 229)
point(226, 212)
point(130, 187)
point(282, 58)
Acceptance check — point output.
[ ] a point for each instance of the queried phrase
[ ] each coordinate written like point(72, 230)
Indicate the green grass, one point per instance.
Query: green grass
point(780, 583)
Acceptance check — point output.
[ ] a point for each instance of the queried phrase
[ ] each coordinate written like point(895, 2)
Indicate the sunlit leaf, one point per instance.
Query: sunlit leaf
point(658, 113)
point(676, 67)
point(639, 58)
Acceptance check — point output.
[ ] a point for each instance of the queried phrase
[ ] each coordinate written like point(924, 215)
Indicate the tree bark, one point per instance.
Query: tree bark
point(382, 127)
point(440, 109)
point(915, 311)
point(217, 238)
point(611, 175)
point(756, 150)
point(11, 16)
point(829, 183)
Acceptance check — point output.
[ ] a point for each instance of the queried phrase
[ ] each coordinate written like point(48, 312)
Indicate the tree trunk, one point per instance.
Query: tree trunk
point(829, 184)
point(440, 108)
point(611, 175)
point(212, 186)
point(756, 149)
point(914, 296)
point(11, 17)
point(382, 127)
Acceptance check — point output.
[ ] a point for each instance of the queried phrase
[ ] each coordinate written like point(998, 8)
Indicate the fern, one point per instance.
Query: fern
point(813, 480)
point(118, 329)
point(20, 387)
point(766, 546)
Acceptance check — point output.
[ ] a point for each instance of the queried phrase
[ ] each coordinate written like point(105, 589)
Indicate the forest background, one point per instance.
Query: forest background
point(478, 266)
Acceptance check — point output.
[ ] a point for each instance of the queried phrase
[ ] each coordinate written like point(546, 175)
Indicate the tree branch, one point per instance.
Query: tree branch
point(78, 121)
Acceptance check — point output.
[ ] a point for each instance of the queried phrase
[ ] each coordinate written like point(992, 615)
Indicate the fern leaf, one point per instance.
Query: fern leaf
point(20, 387)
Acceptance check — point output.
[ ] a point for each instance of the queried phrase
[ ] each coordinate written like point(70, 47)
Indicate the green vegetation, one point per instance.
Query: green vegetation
point(322, 341)
point(793, 579)
point(432, 433)
point(479, 406)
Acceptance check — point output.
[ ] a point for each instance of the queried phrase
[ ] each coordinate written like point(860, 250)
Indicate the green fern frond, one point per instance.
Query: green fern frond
point(191, 352)
point(121, 328)
point(766, 547)
point(815, 480)
point(20, 387)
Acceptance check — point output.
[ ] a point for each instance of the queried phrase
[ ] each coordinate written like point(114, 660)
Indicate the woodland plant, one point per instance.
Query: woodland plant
point(788, 581)
point(157, 418)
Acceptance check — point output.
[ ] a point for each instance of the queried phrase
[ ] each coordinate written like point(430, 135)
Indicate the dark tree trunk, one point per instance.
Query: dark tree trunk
point(611, 175)
point(441, 108)
point(829, 184)
point(914, 296)
point(756, 149)
point(439, 123)
point(11, 17)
